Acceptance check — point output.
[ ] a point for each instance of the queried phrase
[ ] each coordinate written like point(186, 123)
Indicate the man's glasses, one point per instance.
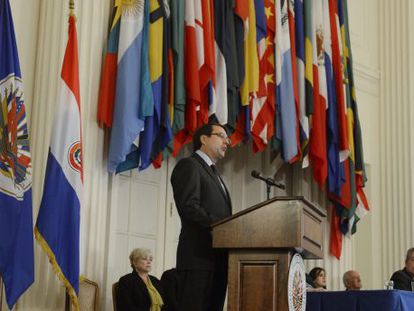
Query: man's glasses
point(222, 136)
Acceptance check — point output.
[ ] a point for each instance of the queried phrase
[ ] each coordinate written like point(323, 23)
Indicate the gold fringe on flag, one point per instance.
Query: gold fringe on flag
point(56, 268)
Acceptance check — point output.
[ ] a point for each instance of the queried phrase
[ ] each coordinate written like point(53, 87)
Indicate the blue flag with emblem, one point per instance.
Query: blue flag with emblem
point(16, 225)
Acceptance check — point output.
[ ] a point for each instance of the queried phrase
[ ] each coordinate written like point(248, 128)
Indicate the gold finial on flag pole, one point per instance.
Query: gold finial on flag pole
point(72, 7)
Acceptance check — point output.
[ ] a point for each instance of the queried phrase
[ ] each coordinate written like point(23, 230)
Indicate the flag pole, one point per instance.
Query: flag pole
point(1, 293)
point(69, 299)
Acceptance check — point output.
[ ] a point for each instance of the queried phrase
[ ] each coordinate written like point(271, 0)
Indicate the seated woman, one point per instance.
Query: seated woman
point(138, 290)
point(318, 278)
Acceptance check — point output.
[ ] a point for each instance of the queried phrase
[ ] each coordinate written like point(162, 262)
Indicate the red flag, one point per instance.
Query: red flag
point(318, 149)
point(335, 243)
point(345, 197)
point(107, 91)
point(239, 133)
point(107, 88)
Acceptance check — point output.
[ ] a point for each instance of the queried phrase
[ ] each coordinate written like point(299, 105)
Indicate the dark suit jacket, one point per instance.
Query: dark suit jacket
point(200, 201)
point(170, 281)
point(402, 279)
point(132, 293)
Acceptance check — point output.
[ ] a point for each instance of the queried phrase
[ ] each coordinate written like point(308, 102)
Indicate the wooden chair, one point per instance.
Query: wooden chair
point(88, 296)
point(114, 294)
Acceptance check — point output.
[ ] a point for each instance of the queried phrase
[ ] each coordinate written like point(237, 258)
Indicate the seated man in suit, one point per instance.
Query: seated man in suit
point(352, 280)
point(404, 279)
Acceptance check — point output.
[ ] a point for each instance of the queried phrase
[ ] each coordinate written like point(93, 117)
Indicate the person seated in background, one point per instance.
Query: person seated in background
point(404, 278)
point(318, 279)
point(138, 290)
point(352, 280)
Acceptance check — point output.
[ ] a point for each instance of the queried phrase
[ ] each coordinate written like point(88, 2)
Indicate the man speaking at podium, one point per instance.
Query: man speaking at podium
point(201, 198)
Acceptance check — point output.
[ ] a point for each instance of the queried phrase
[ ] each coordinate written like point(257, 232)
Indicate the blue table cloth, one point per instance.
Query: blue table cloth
point(364, 300)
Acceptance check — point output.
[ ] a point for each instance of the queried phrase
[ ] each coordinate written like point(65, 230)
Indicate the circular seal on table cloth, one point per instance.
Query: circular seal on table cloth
point(297, 284)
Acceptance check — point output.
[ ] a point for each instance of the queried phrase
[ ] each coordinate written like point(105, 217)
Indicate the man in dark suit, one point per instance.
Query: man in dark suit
point(201, 199)
point(404, 279)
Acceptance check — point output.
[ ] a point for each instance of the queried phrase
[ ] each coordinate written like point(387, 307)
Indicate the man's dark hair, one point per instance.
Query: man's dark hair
point(409, 252)
point(205, 129)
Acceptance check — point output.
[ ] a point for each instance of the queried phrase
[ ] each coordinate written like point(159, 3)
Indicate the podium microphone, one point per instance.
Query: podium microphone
point(256, 174)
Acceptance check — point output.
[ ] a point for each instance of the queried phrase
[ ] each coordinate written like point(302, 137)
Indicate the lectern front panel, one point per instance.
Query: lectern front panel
point(257, 280)
point(258, 285)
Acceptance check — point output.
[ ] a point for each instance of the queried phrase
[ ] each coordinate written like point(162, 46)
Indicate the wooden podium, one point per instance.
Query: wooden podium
point(261, 241)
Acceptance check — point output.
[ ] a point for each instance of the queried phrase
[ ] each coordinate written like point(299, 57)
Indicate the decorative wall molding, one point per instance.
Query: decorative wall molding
point(396, 133)
point(367, 79)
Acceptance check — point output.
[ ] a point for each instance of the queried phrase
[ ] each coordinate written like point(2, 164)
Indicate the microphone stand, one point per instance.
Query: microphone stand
point(269, 183)
point(268, 190)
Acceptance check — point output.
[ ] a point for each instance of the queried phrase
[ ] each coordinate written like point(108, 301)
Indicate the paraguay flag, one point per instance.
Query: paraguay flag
point(57, 227)
point(16, 226)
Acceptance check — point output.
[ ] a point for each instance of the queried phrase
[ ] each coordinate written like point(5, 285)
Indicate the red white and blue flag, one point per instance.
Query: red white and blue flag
point(57, 227)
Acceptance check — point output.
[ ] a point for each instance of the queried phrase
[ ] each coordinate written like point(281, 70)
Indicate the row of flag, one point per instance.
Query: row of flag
point(57, 225)
point(277, 73)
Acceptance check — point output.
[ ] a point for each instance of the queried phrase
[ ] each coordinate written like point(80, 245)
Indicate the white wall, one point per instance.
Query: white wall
point(364, 23)
point(396, 130)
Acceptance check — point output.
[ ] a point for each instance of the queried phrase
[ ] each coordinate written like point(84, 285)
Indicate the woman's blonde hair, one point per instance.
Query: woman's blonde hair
point(139, 253)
